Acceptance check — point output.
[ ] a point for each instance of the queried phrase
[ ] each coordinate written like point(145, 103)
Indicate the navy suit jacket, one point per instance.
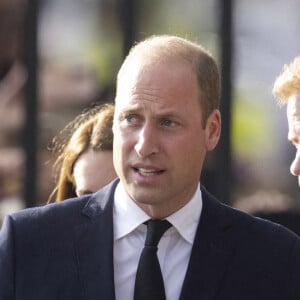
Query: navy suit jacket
point(65, 251)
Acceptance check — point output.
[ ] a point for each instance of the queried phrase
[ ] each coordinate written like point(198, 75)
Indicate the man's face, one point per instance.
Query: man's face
point(293, 115)
point(159, 144)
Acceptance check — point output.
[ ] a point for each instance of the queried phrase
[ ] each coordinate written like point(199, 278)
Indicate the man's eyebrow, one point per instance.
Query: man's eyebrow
point(129, 109)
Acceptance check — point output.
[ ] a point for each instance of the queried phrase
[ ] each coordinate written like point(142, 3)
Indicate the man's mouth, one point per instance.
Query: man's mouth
point(148, 172)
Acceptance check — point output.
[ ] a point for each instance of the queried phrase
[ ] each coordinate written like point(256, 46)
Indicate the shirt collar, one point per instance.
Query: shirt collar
point(128, 216)
point(186, 219)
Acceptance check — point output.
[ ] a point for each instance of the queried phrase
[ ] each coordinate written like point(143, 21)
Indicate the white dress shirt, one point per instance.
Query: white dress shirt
point(174, 248)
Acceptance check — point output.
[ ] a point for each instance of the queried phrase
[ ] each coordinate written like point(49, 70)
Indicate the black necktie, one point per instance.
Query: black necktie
point(149, 284)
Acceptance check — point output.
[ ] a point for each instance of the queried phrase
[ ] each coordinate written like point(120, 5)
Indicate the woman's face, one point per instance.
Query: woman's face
point(92, 171)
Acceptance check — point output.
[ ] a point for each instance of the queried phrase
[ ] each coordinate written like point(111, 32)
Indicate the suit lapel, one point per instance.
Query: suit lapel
point(211, 252)
point(94, 246)
point(212, 249)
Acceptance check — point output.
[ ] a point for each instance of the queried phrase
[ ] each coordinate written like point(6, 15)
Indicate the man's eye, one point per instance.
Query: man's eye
point(133, 120)
point(130, 118)
point(168, 123)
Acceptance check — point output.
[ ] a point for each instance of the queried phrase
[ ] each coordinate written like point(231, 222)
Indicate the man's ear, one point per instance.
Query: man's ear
point(213, 130)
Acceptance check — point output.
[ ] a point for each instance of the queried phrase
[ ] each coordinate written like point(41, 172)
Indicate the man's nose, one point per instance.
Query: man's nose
point(147, 141)
point(295, 166)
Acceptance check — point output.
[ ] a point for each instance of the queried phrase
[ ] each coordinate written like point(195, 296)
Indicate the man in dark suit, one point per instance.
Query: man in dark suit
point(166, 119)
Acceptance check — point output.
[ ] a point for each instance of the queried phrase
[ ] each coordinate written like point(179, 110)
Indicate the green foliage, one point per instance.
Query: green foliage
point(251, 127)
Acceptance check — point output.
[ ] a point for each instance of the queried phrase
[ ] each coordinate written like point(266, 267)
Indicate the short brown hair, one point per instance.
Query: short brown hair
point(165, 47)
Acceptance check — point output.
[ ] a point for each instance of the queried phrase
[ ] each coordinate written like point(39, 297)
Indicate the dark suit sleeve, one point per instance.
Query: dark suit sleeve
point(295, 271)
point(7, 260)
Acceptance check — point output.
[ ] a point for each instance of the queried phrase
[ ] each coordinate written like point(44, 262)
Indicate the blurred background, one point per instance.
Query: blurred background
point(60, 56)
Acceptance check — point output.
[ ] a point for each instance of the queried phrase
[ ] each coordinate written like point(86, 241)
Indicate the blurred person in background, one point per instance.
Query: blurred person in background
point(286, 90)
point(166, 120)
point(273, 205)
point(85, 161)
